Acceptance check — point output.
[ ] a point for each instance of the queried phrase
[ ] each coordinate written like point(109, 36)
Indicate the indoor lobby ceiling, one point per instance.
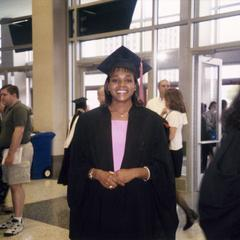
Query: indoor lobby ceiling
point(15, 8)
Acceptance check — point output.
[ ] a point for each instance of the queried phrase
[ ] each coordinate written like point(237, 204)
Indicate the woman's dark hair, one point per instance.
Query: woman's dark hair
point(231, 117)
point(174, 98)
point(108, 96)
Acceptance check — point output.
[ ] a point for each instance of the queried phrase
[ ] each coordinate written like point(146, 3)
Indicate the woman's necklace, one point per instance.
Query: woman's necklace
point(121, 114)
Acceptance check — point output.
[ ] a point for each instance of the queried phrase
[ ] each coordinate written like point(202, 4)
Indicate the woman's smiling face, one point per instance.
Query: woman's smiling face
point(121, 85)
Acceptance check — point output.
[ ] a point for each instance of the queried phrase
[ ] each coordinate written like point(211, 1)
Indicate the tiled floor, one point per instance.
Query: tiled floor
point(46, 214)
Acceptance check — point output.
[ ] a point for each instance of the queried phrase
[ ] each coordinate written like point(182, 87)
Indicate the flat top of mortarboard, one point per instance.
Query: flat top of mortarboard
point(123, 57)
point(79, 100)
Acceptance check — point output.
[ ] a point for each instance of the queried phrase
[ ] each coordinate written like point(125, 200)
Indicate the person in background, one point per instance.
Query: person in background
point(224, 108)
point(177, 118)
point(15, 135)
point(158, 104)
point(121, 182)
point(224, 105)
point(211, 120)
point(219, 196)
point(80, 108)
point(206, 149)
point(3, 186)
point(101, 95)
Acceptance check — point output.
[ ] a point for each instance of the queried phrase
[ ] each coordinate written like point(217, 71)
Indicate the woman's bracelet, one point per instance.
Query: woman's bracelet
point(90, 174)
point(148, 173)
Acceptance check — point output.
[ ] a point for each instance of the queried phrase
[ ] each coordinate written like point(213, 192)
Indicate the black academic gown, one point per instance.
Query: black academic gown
point(219, 201)
point(138, 211)
point(63, 174)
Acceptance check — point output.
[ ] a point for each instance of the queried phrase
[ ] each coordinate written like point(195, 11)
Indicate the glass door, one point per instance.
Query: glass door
point(208, 111)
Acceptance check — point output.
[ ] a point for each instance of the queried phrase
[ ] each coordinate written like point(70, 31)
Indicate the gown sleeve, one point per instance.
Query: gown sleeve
point(79, 164)
point(163, 181)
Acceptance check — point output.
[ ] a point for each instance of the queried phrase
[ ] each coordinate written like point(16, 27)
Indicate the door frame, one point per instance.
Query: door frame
point(201, 62)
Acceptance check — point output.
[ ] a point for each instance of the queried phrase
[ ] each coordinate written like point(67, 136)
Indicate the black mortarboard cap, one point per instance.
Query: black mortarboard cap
point(125, 58)
point(80, 102)
point(105, 17)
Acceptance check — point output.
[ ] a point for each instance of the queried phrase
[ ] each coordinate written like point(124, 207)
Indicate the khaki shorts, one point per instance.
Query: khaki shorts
point(19, 173)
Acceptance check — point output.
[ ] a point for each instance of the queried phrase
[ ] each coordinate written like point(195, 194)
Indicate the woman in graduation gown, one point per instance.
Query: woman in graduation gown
point(121, 182)
point(219, 200)
point(80, 108)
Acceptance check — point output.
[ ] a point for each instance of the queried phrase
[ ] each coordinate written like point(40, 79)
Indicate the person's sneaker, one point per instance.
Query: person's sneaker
point(7, 224)
point(17, 227)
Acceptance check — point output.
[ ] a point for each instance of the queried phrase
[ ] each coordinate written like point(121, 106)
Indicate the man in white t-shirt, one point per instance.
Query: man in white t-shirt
point(157, 104)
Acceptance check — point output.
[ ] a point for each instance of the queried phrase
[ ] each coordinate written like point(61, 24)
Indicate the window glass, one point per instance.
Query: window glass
point(228, 5)
point(209, 98)
point(229, 92)
point(142, 18)
point(147, 41)
point(172, 75)
point(231, 71)
point(211, 7)
point(168, 38)
point(103, 47)
point(219, 31)
point(22, 58)
point(92, 83)
point(168, 11)
point(96, 79)
point(1, 81)
point(100, 47)
point(132, 41)
point(29, 56)
point(0, 44)
point(87, 1)
point(92, 101)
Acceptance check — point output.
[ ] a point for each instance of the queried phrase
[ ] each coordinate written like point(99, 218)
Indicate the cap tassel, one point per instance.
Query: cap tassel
point(141, 97)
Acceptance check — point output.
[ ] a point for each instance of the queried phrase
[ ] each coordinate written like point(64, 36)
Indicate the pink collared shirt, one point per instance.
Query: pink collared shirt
point(119, 132)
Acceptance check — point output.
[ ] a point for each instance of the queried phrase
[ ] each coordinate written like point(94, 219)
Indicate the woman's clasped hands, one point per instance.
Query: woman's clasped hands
point(111, 180)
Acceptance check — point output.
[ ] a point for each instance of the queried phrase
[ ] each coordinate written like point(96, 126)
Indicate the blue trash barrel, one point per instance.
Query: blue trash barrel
point(42, 155)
